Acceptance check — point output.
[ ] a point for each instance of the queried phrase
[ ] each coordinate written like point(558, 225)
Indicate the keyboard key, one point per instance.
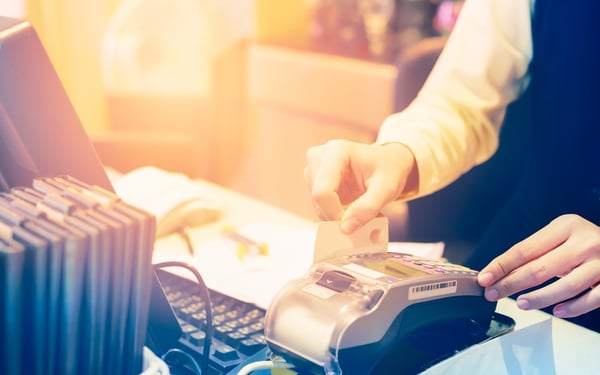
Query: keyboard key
point(225, 353)
point(234, 338)
point(187, 329)
point(222, 331)
point(197, 338)
point(250, 346)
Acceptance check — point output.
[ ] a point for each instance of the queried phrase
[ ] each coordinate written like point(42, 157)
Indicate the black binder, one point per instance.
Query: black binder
point(93, 253)
point(35, 294)
point(12, 261)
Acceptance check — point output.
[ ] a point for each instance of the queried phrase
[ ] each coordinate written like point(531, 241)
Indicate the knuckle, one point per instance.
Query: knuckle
point(500, 267)
point(537, 273)
point(313, 152)
point(520, 253)
point(506, 287)
point(335, 144)
point(590, 244)
point(568, 220)
point(568, 217)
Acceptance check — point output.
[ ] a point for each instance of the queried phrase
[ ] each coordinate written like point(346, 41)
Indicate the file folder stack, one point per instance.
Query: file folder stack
point(75, 279)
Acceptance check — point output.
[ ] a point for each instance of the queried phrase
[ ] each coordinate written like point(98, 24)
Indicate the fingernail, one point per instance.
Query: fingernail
point(560, 312)
point(523, 304)
point(349, 226)
point(485, 278)
point(491, 294)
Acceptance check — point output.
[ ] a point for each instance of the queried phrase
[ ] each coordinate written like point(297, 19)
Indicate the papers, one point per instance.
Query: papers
point(257, 278)
point(254, 278)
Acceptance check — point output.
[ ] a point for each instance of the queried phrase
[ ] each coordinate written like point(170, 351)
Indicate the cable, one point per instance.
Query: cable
point(263, 365)
point(209, 317)
point(190, 359)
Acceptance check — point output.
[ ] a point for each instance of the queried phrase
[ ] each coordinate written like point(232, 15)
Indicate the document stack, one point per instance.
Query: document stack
point(75, 278)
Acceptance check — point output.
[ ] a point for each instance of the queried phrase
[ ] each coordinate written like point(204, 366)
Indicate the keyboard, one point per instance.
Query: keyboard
point(238, 326)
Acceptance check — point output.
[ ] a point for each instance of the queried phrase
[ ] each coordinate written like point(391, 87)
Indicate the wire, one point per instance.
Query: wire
point(191, 359)
point(263, 365)
point(209, 317)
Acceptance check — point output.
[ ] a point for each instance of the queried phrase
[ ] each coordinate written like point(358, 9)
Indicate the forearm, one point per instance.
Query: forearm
point(453, 123)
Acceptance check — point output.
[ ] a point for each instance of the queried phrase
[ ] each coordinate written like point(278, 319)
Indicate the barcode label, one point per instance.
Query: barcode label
point(431, 290)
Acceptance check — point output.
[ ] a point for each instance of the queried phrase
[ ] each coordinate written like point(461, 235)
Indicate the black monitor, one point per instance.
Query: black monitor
point(40, 132)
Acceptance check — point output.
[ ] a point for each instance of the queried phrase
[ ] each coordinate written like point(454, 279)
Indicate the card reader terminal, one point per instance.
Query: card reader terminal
point(348, 311)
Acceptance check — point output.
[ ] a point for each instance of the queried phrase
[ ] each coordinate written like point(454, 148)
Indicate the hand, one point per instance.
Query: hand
point(568, 247)
point(363, 177)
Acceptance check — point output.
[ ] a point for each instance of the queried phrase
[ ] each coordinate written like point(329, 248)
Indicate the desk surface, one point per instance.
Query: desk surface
point(574, 347)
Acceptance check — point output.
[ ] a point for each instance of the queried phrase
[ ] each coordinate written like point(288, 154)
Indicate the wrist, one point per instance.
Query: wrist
point(405, 158)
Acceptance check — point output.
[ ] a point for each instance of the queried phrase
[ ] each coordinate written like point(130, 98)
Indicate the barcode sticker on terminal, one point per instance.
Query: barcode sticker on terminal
point(432, 290)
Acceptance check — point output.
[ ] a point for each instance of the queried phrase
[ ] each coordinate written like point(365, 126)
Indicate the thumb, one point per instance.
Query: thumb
point(358, 213)
point(367, 206)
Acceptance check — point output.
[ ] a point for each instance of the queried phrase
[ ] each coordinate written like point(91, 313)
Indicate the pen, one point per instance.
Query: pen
point(186, 238)
point(245, 245)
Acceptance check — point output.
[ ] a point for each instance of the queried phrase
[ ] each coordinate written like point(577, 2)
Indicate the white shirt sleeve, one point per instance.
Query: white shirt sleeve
point(453, 123)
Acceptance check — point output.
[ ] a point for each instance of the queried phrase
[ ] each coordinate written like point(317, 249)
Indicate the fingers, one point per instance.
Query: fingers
point(530, 273)
point(337, 177)
point(568, 247)
point(527, 276)
point(326, 208)
point(538, 244)
point(581, 279)
point(578, 306)
point(368, 205)
point(362, 177)
point(324, 176)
